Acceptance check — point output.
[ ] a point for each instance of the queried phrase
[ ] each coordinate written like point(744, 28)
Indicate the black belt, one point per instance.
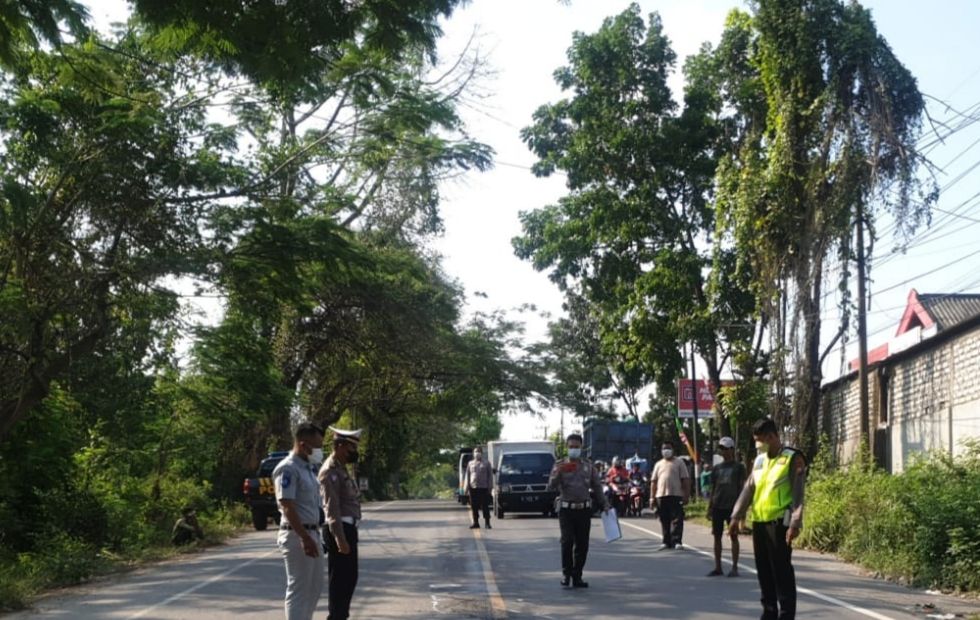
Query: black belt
point(577, 505)
point(306, 526)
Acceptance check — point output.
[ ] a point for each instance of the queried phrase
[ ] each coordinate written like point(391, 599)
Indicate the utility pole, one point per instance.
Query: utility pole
point(862, 333)
point(694, 429)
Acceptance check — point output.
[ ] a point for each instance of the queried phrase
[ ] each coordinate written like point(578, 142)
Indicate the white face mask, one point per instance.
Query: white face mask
point(761, 446)
point(667, 453)
point(317, 455)
point(575, 453)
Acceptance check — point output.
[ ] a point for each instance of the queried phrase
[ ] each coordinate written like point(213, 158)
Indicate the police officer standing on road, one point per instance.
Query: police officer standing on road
point(573, 478)
point(479, 480)
point(342, 505)
point(775, 492)
point(298, 494)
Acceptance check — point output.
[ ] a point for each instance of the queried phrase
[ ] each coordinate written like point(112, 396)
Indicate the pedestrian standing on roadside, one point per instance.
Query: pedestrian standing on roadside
point(775, 493)
point(727, 479)
point(342, 507)
point(479, 481)
point(670, 488)
point(574, 478)
point(298, 495)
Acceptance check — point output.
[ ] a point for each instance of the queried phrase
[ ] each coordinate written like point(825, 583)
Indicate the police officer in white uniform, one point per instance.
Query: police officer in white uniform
point(298, 494)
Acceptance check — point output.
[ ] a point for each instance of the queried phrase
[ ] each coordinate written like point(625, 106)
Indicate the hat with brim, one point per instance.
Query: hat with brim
point(352, 436)
point(726, 442)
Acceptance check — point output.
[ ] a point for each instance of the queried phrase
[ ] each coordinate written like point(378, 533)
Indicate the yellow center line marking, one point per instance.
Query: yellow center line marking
point(498, 608)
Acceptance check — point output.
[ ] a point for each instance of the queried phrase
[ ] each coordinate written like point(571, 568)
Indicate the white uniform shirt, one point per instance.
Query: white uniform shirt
point(295, 479)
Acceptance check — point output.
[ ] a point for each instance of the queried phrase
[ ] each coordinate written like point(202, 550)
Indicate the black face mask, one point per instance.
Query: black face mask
point(352, 457)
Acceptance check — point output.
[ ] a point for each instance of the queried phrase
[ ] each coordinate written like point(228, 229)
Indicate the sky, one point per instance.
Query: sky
point(526, 40)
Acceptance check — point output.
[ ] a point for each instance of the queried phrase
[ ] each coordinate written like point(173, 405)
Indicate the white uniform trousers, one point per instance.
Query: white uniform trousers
point(304, 575)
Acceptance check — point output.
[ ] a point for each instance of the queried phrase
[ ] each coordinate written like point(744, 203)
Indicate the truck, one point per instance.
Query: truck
point(260, 492)
point(465, 456)
point(604, 439)
point(520, 476)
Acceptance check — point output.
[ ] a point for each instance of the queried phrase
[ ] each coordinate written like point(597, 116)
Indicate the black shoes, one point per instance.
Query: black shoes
point(578, 583)
point(475, 526)
point(488, 526)
point(566, 581)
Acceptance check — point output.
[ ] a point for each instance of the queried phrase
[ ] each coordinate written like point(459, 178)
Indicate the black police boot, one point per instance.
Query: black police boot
point(475, 526)
point(488, 525)
point(566, 581)
point(578, 583)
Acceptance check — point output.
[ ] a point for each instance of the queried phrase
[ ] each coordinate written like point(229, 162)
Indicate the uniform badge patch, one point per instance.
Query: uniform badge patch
point(287, 479)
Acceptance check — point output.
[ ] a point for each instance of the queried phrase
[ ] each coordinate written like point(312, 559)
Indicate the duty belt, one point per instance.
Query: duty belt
point(577, 505)
point(349, 520)
point(306, 526)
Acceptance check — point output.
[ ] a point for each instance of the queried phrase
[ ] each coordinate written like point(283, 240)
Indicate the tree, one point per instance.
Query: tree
point(828, 121)
point(24, 24)
point(100, 204)
point(634, 236)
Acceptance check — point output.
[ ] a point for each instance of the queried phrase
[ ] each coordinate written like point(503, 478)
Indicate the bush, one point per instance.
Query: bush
point(918, 526)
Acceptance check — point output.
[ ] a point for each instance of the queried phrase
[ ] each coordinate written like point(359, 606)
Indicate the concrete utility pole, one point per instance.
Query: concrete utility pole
point(694, 429)
point(862, 334)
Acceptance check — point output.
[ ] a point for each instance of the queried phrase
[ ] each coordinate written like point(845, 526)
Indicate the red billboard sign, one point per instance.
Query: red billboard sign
point(685, 397)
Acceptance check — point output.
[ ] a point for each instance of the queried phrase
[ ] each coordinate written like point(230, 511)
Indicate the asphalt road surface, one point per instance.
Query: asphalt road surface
point(419, 560)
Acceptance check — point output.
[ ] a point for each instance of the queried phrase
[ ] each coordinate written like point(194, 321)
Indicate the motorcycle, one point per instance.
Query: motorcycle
point(617, 492)
point(636, 492)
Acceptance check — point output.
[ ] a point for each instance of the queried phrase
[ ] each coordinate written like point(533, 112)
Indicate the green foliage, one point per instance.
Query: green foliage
point(632, 240)
point(24, 24)
point(918, 526)
point(437, 481)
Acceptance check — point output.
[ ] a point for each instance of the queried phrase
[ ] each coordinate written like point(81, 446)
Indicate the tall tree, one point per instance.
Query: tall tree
point(837, 142)
point(634, 235)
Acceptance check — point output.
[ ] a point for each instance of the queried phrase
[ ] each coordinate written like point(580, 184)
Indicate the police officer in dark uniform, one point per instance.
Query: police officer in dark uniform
point(342, 507)
point(574, 478)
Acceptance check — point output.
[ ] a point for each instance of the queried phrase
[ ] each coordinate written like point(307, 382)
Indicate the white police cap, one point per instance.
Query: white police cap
point(351, 436)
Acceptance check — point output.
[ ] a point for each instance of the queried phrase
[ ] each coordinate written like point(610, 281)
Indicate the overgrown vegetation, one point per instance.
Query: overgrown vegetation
point(918, 527)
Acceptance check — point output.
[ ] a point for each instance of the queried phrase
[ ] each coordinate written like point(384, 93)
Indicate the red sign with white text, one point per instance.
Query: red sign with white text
point(685, 397)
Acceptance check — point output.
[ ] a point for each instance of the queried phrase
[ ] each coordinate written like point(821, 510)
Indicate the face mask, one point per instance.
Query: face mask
point(317, 456)
point(478, 456)
point(352, 457)
point(575, 453)
point(761, 446)
point(667, 453)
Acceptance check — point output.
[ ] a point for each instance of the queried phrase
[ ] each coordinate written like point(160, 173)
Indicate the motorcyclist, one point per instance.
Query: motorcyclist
point(638, 483)
point(617, 478)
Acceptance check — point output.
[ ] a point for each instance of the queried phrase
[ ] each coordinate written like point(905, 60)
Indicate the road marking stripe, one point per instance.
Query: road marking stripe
point(813, 593)
point(497, 606)
point(203, 584)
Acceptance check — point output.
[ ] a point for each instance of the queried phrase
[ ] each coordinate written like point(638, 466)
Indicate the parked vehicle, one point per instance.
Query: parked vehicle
point(260, 492)
point(521, 470)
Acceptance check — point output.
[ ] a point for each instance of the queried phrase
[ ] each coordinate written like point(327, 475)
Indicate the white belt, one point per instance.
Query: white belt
point(349, 520)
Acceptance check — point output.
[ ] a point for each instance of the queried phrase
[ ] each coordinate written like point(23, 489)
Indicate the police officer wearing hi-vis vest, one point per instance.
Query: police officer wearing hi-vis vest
point(573, 478)
point(775, 492)
point(298, 494)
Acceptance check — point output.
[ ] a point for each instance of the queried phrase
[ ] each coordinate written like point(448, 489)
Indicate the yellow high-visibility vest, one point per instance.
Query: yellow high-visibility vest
point(773, 488)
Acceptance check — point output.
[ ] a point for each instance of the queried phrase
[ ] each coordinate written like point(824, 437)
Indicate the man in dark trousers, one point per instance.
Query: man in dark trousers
point(342, 507)
point(775, 492)
point(727, 479)
point(479, 480)
point(574, 478)
point(670, 488)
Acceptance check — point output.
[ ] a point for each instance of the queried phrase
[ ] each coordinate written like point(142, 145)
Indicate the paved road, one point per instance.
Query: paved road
point(420, 561)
